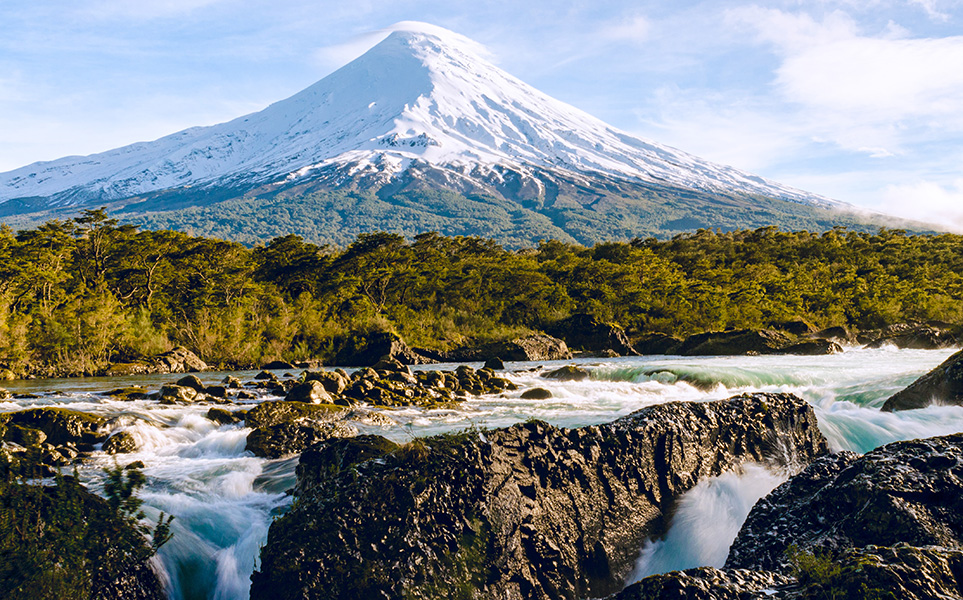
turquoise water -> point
(224, 499)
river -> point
(224, 499)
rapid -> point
(224, 499)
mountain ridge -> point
(421, 109)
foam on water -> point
(706, 521)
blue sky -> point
(861, 101)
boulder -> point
(797, 327)
(495, 364)
(914, 336)
(232, 383)
(586, 332)
(525, 512)
(942, 385)
(568, 373)
(178, 360)
(225, 417)
(657, 343)
(60, 425)
(902, 493)
(734, 343)
(269, 413)
(333, 381)
(192, 382)
(533, 347)
(177, 394)
(266, 376)
(536, 393)
(128, 393)
(365, 350)
(5, 395)
(27, 437)
(838, 334)
(312, 392)
(286, 439)
(391, 365)
(277, 365)
(812, 347)
(121, 442)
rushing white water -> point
(224, 499)
(706, 521)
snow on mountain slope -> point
(421, 94)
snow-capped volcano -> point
(422, 96)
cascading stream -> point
(224, 499)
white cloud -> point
(876, 93)
(927, 201)
(634, 29)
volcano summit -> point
(420, 133)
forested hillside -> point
(75, 295)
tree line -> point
(78, 294)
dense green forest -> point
(77, 294)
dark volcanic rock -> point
(530, 511)
(706, 583)
(178, 360)
(121, 442)
(312, 392)
(277, 365)
(536, 394)
(813, 347)
(915, 336)
(734, 343)
(905, 492)
(585, 332)
(285, 439)
(365, 350)
(60, 425)
(495, 364)
(942, 385)
(567, 373)
(657, 343)
(900, 572)
(73, 528)
(537, 346)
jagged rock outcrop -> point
(586, 332)
(536, 346)
(178, 360)
(915, 336)
(365, 350)
(568, 373)
(529, 511)
(734, 343)
(657, 343)
(75, 547)
(814, 347)
(899, 572)
(707, 583)
(942, 385)
(904, 492)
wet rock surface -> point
(706, 583)
(178, 360)
(367, 349)
(586, 332)
(529, 511)
(915, 336)
(904, 492)
(942, 385)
